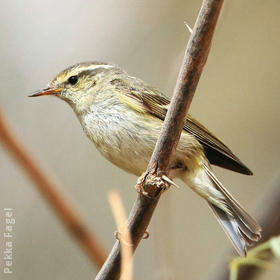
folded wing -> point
(156, 104)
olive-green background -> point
(237, 98)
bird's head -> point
(78, 84)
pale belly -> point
(127, 139)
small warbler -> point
(123, 117)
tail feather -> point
(242, 229)
(247, 233)
(248, 220)
(231, 229)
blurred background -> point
(237, 98)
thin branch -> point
(50, 191)
(152, 182)
(195, 58)
(123, 235)
(269, 218)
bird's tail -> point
(241, 228)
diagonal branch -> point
(50, 191)
(152, 183)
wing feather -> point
(155, 103)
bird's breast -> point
(122, 135)
(127, 137)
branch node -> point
(151, 185)
(146, 235)
(188, 27)
(118, 235)
(168, 180)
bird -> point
(123, 116)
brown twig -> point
(269, 219)
(152, 183)
(49, 190)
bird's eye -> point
(73, 80)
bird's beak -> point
(46, 91)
